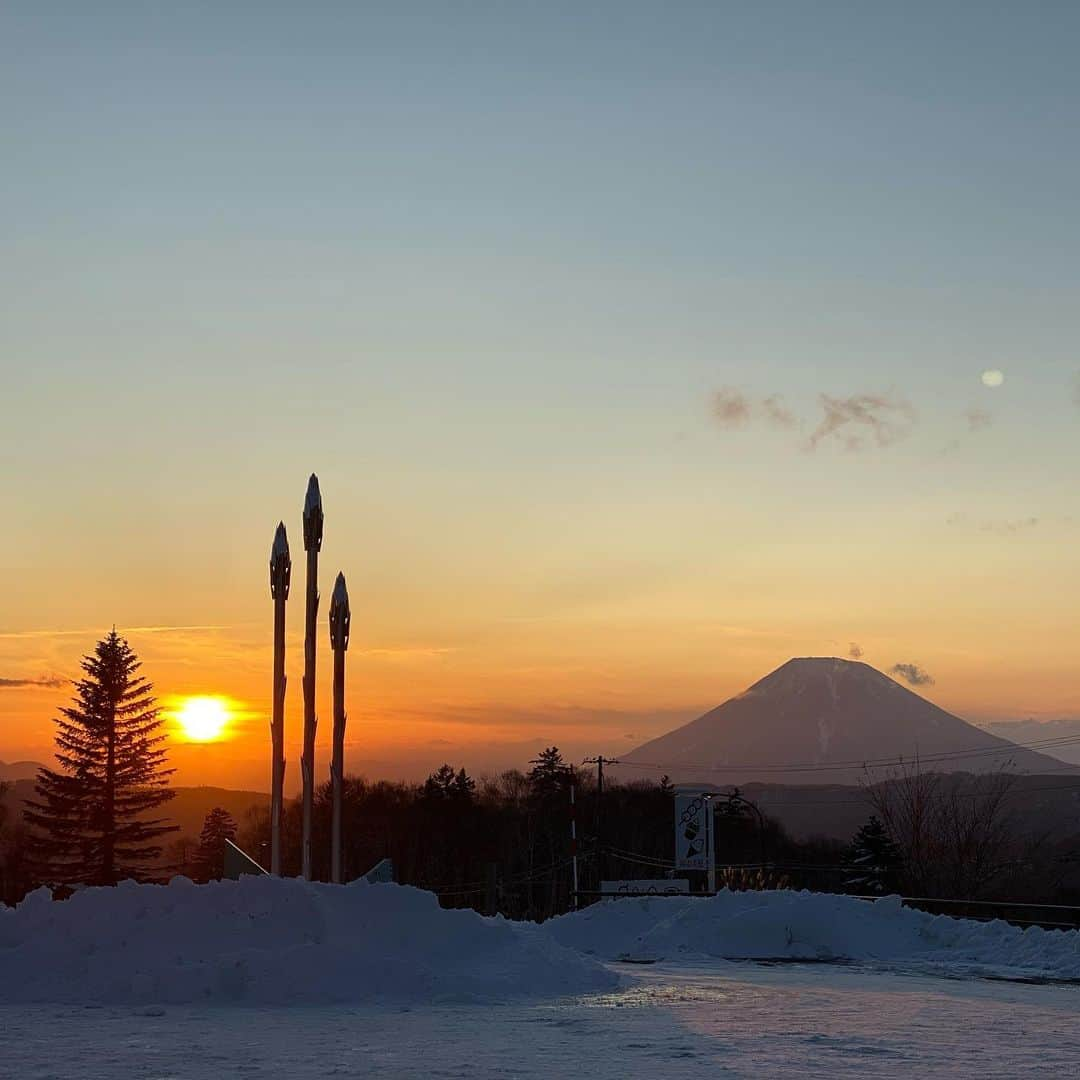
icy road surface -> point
(741, 1020)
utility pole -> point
(711, 849)
(313, 534)
(573, 837)
(340, 617)
(280, 573)
(600, 761)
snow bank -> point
(276, 941)
(804, 925)
(284, 941)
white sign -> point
(691, 832)
(651, 886)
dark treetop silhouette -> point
(89, 820)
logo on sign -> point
(691, 835)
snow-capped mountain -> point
(820, 720)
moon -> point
(993, 378)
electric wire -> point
(863, 763)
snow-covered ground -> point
(280, 978)
(748, 1021)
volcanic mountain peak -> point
(831, 671)
(823, 718)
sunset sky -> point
(636, 350)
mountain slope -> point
(817, 720)
(10, 771)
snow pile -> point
(284, 941)
(276, 941)
(804, 925)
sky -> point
(638, 348)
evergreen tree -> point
(440, 783)
(444, 783)
(875, 859)
(549, 774)
(90, 819)
(218, 826)
(464, 786)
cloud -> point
(852, 420)
(997, 526)
(855, 651)
(408, 652)
(731, 407)
(52, 682)
(98, 631)
(913, 674)
(1010, 526)
(776, 412)
(974, 420)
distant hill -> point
(1043, 806)
(817, 720)
(18, 770)
(1034, 730)
(191, 806)
(187, 809)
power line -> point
(764, 797)
(895, 759)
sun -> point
(203, 719)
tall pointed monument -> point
(280, 574)
(340, 617)
(313, 535)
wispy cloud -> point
(407, 652)
(854, 420)
(912, 674)
(51, 682)
(97, 630)
(1007, 528)
(731, 407)
(776, 412)
(997, 526)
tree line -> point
(500, 843)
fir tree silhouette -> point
(89, 820)
(549, 776)
(875, 858)
(218, 826)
